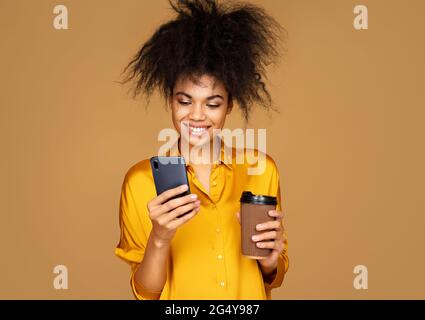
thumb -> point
(238, 215)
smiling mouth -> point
(197, 130)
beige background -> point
(349, 143)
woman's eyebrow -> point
(209, 98)
(185, 94)
(215, 96)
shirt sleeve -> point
(133, 238)
(283, 261)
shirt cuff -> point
(282, 268)
(140, 292)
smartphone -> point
(169, 173)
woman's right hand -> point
(164, 212)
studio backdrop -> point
(348, 141)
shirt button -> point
(222, 283)
(214, 184)
(220, 256)
(214, 206)
(218, 230)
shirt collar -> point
(226, 153)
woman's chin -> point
(196, 140)
(199, 140)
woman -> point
(208, 57)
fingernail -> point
(184, 187)
(259, 227)
(254, 238)
(193, 196)
(197, 202)
(259, 244)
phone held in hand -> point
(169, 173)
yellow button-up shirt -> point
(205, 260)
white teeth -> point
(197, 130)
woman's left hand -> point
(270, 235)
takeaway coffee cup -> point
(254, 210)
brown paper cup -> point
(252, 214)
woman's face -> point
(199, 108)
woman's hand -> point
(270, 236)
(164, 213)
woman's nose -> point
(197, 113)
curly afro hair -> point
(232, 42)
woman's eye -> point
(184, 103)
(213, 105)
